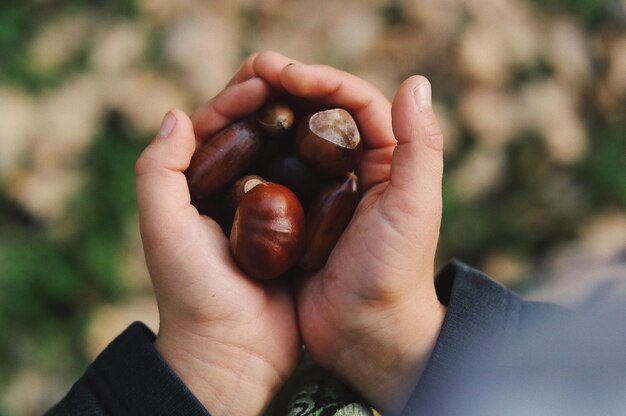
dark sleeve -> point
(129, 378)
(483, 320)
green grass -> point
(604, 172)
(19, 23)
(393, 13)
(522, 215)
(592, 12)
(49, 284)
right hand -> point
(371, 315)
(233, 340)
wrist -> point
(225, 378)
(385, 365)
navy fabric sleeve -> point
(129, 378)
(483, 317)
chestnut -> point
(223, 157)
(329, 141)
(276, 119)
(209, 207)
(237, 191)
(289, 170)
(327, 218)
(213, 207)
(267, 237)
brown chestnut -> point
(223, 157)
(276, 119)
(327, 218)
(267, 237)
(329, 141)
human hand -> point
(371, 315)
(232, 340)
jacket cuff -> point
(131, 377)
(480, 313)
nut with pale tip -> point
(238, 190)
(276, 119)
(329, 142)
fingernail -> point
(423, 94)
(167, 125)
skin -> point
(227, 336)
(371, 315)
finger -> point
(231, 104)
(417, 165)
(245, 72)
(370, 107)
(162, 192)
(367, 104)
(269, 64)
(375, 167)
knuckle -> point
(263, 56)
(431, 133)
(144, 164)
(249, 61)
(434, 141)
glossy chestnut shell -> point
(223, 158)
(276, 119)
(238, 190)
(268, 233)
(329, 142)
(327, 219)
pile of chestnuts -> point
(280, 185)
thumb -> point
(162, 191)
(417, 164)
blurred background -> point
(531, 96)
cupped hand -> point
(371, 315)
(231, 339)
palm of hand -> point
(336, 301)
(366, 315)
(216, 301)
